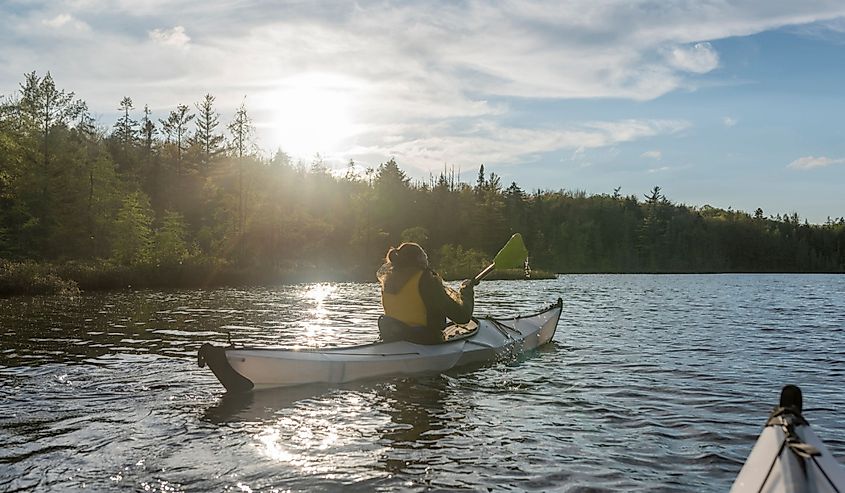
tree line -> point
(189, 190)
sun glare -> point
(311, 114)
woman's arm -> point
(440, 304)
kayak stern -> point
(216, 359)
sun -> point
(311, 114)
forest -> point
(189, 200)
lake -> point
(652, 383)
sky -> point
(723, 103)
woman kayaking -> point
(416, 302)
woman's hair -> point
(407, 255)
(400, 264)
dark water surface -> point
(653, 383)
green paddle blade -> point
(512, 255)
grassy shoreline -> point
(71, 278)
(23, 278)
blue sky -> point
(732, 104)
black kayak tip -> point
(215, 358)
(790, 396)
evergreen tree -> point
(176, 126)
(133, 230)
(126, 127)
(241, 132)
(44, 116)
(148, 131)
(241, 144)
(209, 141)
(169, 244)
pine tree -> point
(44, 108)
(125, 129)
(132, 230)
(207, 121)
(45, 116)
(148, 131)
(176, 126)
(241, 131)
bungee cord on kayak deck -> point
(788, 456)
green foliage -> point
(31, 278)
(207, 138)
(154, 204)
(456, 262)
(417, 234)
(132, 231)
(169, 245)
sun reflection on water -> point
(295, 442)
(319, 328)
(319, 292)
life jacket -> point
(407, 305)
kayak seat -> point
(393, 330)
(453, 332)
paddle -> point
(511, 256)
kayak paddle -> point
(511, 256)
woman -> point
(416, 302)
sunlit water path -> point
(653, 383)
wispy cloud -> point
(58, 21)
(429, 80)
(175, 36)
(813, 162)
(699, 58)
(832, 31)
(65, 20)
(655, 154)
(729, 121)
(492, 143)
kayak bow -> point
(245, 369)
(788, 457)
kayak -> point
(483, 340)
(788, 456)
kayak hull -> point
(789, 457)
(244, 369)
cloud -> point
(633, 129)
(830, 31)
(656, 154)
(433, 77)
(58, 21)
(729, 121)
(491, 143)
(700, 58)
(175, 36)
(65, 20)
(534, 48)
(812, 162)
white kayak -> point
(244, 369)
(788, 457)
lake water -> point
(652, 383)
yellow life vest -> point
(406, 305)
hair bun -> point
(407, 255)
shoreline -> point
(33, 278)
(37, 278)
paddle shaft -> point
(481, 275)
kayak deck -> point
(788, 456)
(243, 369)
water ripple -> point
(653, 383)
